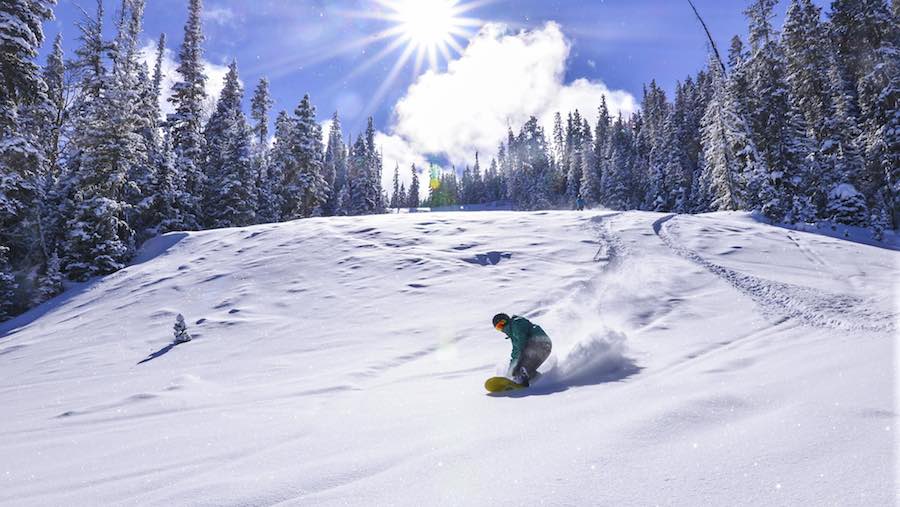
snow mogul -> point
(530, 346)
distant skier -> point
(530, 346)
(579, 204)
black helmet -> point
(499, 317)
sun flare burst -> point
(428, 28)
(426, 24)
(420, 31)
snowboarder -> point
(579, 203)
(530, 346)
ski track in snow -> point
(807, 305)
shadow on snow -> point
(550, 385)
(161, 352)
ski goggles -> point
(500, 325)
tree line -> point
(801, 125)
(90, 168)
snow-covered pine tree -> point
(139, 192)
(144, 216)
(395, 195)
(50, 281)
(724, 145)
(230, 193)
(8, 286)
(508, 156)
(57, 106)
(687, 109)
(22, 90)
(21, 36)
(305, 189)
(847, 206)
(166, 203)
(858, 29)
(806, 60)
(54, 121)
(531, 182)
(561, 169)
(260, 107)
(376, 167)
(736, 53)
(238, 193)
(98, 239)
(412, 200)
(700, 196)
(477, 196)
(361, 193)
(879, 101)
(132, 91)
(676, 176)
(180, 328)
(840, 158)
(738, 82)
(109, 146)
(164, 210)
(589, 171)
(866, 39)
(402, 197)
(271, 191)
(158, 70)
(342, 209)
(617, 181)
(584, 155)
(188, 96)
(773, 122)
(335, 168)
(580, 132)
(651, 156)
(493, 184)
(593, 192)
(558, 141)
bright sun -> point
(427, 28)
(426, 22)
(419, 30)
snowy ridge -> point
(341, 361)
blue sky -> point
(308, 46)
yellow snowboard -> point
(500, 384)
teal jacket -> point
(521, 332)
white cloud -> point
(500, 80)
(585, 95)
(215, 78)
(220, 15)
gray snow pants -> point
(534, 355)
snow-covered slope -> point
(698, 360)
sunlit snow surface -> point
(698, 360)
